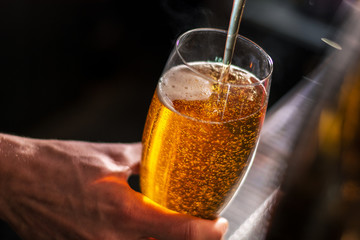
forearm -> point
(4, 171)
(14, 168)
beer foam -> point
(181, 83)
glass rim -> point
(267, 57)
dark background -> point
(86, 70)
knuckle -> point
(191, 231)
(194, 231)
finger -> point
(132, 153)
(162, 224)
(191, 229)
(128, 154)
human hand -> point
(51, 189)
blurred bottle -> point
(320, 193)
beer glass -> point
(203, 124)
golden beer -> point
(199, 137)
